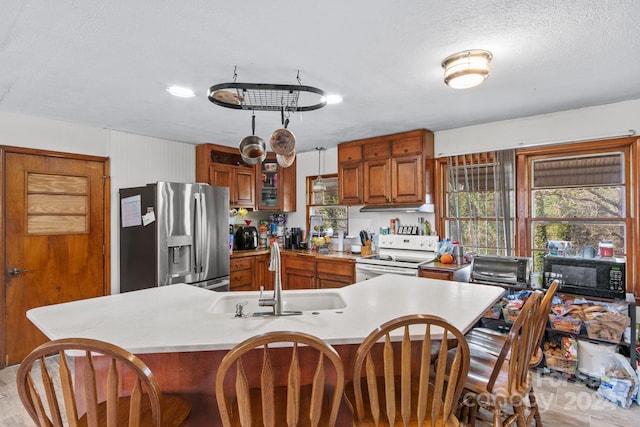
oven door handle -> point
(386, 269)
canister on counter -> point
(606, 248)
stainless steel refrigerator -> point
(174, 233)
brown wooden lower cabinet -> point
(452, 272)
(309, 272)
(249, 272)
(263, 277)
(241, 274)
(335, 273)
(298, 271)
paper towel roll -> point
(340, 241)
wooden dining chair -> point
(498, 382)
(493, 341)
(397, 381)
(280, 379)
(51, 398)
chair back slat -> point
(117, 361)
(317, 391)
(389, 383)
(47, 385)
(425, 370)
(244, 398)
(113, 389)
(267, 390)
(420, 396)
(66, 382)
(541, 320)
(293, 389)
(91, 392)
(135, 406)
(372, 387)
(270, 384)
(405, 376)
(456, 371)
(38, 407)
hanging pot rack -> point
(264, 97)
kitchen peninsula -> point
(181, 332)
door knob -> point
(14, 271)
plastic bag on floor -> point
(619, 384)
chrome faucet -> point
(276, 300)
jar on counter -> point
(605, 247)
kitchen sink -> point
(291, 301)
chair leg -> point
(518, 409)
(473, 413)
(497, 415)
(535, 410)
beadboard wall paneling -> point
(139, 160)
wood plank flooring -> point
(562, 404)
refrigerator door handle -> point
(197, 234)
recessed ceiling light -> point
(333, 99)
(181, 92)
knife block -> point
(366, 248)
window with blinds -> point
(480, 201)
(578, 201)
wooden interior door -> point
(55, 238)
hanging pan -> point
(286, 160)
(283, 141)
(253, 148)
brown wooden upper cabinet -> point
(275, 186)
(266, 186)
(391, 169)
(223, 166)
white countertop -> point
(176, 318)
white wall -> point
(136, 161)
(583, 124)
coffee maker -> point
(296, 237)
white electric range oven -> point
(398, 253)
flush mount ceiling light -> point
(467, 69)
(318, 184)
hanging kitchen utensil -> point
(253, 148)
(283, 141)
(286, 160)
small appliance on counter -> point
(246, 238)
(507, 271)
(595, 277)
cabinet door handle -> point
(406, 150)
(349, 158)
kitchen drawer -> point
(300, 263)
(349, 153)
(335, 268)
(406, 146)
(241, 264)
(242, 278)
(376, 150)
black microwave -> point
(594, 277)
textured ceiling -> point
(107, 63)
